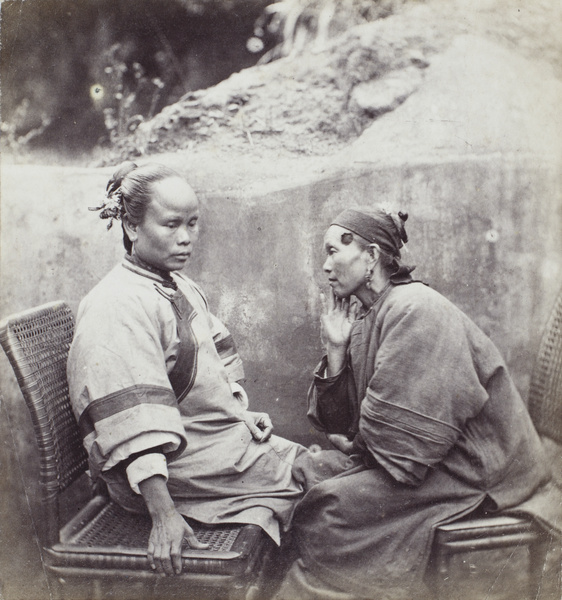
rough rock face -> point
(311, 105)
(384, 94)
(317, 103)
(476, 99)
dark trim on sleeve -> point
(117, 402)
(226, 345)
(123, 464)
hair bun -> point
(398, 221)
(116, 179)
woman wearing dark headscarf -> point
(421, 401)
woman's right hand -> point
(337, 317)
(169, 529)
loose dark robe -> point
(438, 428)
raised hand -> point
(337, 316)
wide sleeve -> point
(118, 381)
(424, 388)
(331, 401)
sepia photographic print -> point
(281, 300)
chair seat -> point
(105, 536)
(487, 533)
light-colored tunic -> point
(150, 366)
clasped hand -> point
(260, 425)
(341, 442)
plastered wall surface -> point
(485, 232)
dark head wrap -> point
(384, 229)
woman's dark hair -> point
(129, 192)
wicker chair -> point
(103, 545)
(503, 531)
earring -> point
(368, 277)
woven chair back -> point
(37, 343)
(545, 392)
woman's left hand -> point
(260, 425)
(341, 442)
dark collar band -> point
(163, 277)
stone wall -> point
(483, 231)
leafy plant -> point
(124, 93)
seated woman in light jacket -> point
(155, 383)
